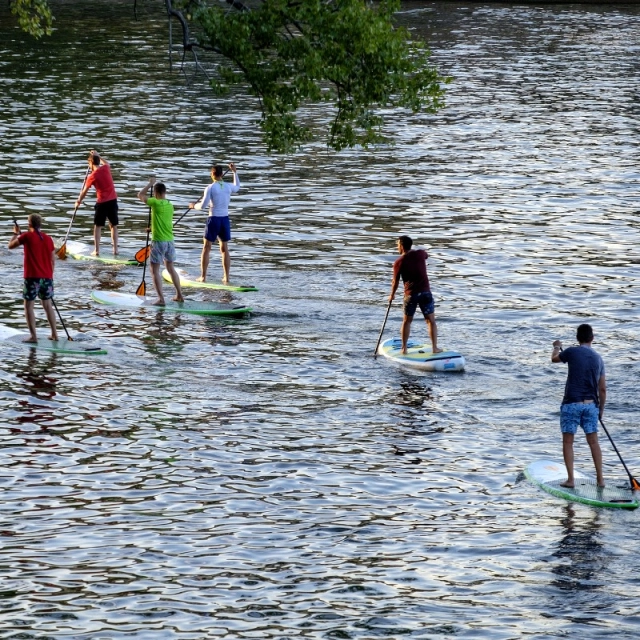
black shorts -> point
(106, 211)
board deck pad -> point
(82, 251)
(187, 281)
(63, 345)
(188, 306)
(420, 356)
(548, 475)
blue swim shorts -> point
(218, 227)
(424, 300)
(37, 288)
(577, 413)
(162, 250)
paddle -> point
(142, 289)
(62, 251)
(61, 320)
(635, 485)
(375, 353)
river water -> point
(266, 477)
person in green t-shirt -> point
(162, 246)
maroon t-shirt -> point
(38, 248)
(412, 267)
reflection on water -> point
(266, 476)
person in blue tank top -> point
(584, 398)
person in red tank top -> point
(39, 261)
(412, 267)
(106, 206)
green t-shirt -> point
(161, 219)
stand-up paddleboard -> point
(188, 306)
(82, 251)
(187, 281)
(548, 475)
(420, 356)
(13, 336)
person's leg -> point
(567, 454)
(596, 454)
(226, 260)
(49, 309)
(432, 327)
(204, 261)
(97, 232)
(569, 419)
(114, 238)
(175, 278)
(589, 421)
(157, 283)
(405, 331)
(30, 316)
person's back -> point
(412, 267)
(161, 219)
(37, 254)
(585, 368)
(100, 178)
(217, 197)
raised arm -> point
(557, 348)
(142, 194)
(14, 242)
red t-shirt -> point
(103, 182)
(37, 254)
(412, 267)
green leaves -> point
(290, 53)
(34, 16)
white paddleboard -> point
(63, 345)
(188, 306)
(187, 281)
(548, 475)
(420, 356)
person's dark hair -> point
(584, 333)
(406, 242)
(217, 171)
(94, 159)
(35, 221)
(159, 189)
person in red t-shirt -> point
(412, 267)
(106, 206)
(39, 261)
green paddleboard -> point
(548, 475)
(63, 345)
(82, 251)
(188, 306)
(187, 281)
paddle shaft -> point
(61, 320)
(635, 485)
(142, 289)
(73, 217)
(375, 352)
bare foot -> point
(403, 351)
(201, 279)
(437, 350)
(158, 303)
(31, 340)
(567, 484)
(601, 484)
(95, 253)
(178, 299)
(54, 338)
(225, 280)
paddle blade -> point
(142, 255)
(635, 485)
(142, 289)
(62, 251)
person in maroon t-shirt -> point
(412, 267)
(106, 206)
(39, 261)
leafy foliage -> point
(345, 52)
(34, 16)
(292, 53)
